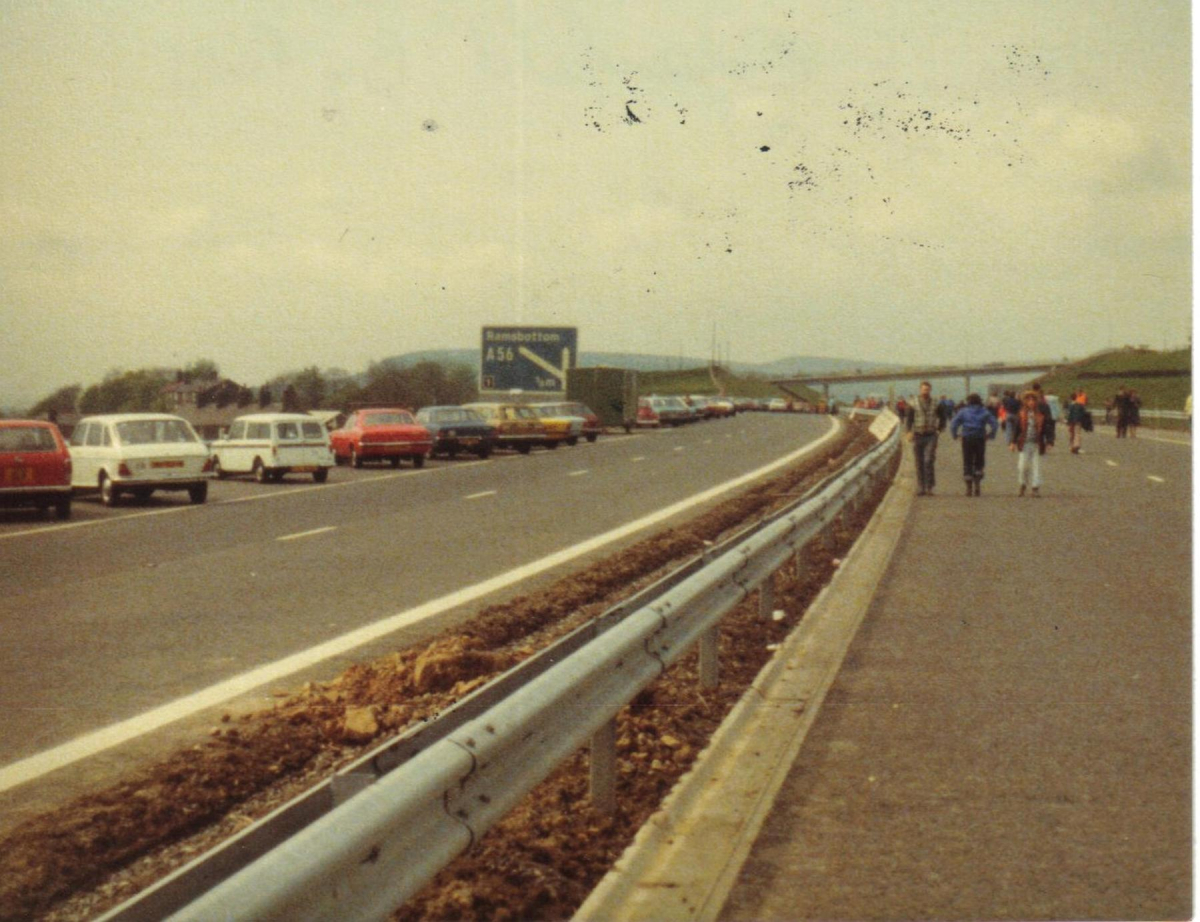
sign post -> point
(532, 359)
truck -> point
(611, 393)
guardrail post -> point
(709, 676)
(602, 765)
(766, 598)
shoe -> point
(920, 492)
(970, 488)
(1021, 492)
(1036, 494)
(978, 488)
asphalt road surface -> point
(120, 611)
(1010, 735)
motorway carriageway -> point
(124, 620)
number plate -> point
(306, 469)
(18, 476)
(161, 464)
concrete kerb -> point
(684, 861)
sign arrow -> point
(560, 373)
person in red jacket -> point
(1032, 433)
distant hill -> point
(1162, 379)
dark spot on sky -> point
(429, 125)
(765, 148)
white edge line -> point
(306, 534)
(578, 473)
(481, 495)
(1155, 479)
(639, 458)
(89, 744)
(1111, 463)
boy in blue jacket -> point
(977, 425)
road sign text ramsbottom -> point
(527, 358)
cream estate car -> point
(138, 453)
(269, 445)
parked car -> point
(517, 426)
(561, 425)
(271, 445)
(662, 411)
(35, 466)
(455, 429)
(723, 406)
(138, 453)
(592, 426)
(381, 434)
(777, 405)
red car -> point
(592, 426)
(35, 466)
(379, 434)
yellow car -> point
(561, 424)
(517, 426)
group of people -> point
(1028, 423)
(1127, 405)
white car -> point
(269, 445)
(777, 405)
(138, 453)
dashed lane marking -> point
(1111, 463)
(577, 473)
(89, 744)
(679, 448)
(1155, 479)
(481, 495)
(308, 534)
(638, 458)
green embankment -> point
(698, 381)
(1163, 380)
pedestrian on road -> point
(1032, 425)
(1076, 412)
(1122, 408)
(1012, 406)
(923, 425)
(1187, 411)
(1135, 413)
(977, 425)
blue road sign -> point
(527, 358)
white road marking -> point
(577, 473)
(273, 494)
(89, 744)
(708, 441)
(1155, 479)
(1111, 463)
(306, 534)
(679, 448)
(481, 495)
(1156, 438)
(638, 458)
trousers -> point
(1029, 465)
(973, 448)
(925, 452)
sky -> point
(274, 185)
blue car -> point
(456, 429)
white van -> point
(138, 453)
(269, 445)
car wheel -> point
(484, 452)
(572, 441)
(552, 445)
(355, 459)
(142, 494)
(218, 471)
(524, 449)
(62, 508)
(591, 436)
(418, 460)
(277, 476)
(396, 461)
(321, 475)
(260, 472)
(452, 453)
(198, 493)
(109, 494)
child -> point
(977, 425)
(1032, 428)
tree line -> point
(146, 389)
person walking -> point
(977, 425)
(1030, 443)
(1121, 407)
(1135, 413)
(1076, 412)
(1012, 406)
(923, 424)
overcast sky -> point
(273, 185)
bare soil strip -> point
(80, 859)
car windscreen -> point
(26, 438)
(154, 431)
(395, 418)
(524, 413)
(313, 430)
(453, 415)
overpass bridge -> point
(922, 372)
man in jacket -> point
(977, 425)
(1030, 443)
(923, 424)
